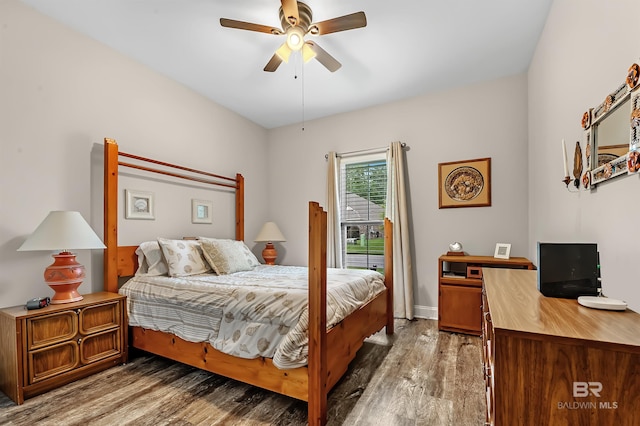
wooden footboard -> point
(344, 340)
(258, 372)
(330, 352)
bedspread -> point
(249, 314)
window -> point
(363, 200)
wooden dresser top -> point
(517, 306)
(488, 260)
(91, 298)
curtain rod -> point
(363, 151)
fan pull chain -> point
(295, 77)
(302, 85)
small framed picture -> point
(201, 211)
(502, 251)
(139, 205)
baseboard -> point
(425, 312)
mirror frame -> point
(628, 163)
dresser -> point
(550, 361)
(460, 286)
(46, 348)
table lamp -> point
(63, 230)
(269, 233)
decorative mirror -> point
(612, 133)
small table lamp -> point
(269, 233)
(63, 230)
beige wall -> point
(483, 120)
(65, 93)
(60, 94)
(583, 55)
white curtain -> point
(334, 235)
(397, 213)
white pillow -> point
(227, 256)
(151, 260)
(184, 257)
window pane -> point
(364, 191)
(363, 203)
(366, 250)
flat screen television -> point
(568, 270)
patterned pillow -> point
(184, 257)
(150, 259)
(227, 256)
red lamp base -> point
(269, 254)
(64, 276)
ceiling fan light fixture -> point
(295, 38)
(284, 52)
(307, 53)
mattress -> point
(249, 314)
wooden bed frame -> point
(330, 351)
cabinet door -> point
(460, 308)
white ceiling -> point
(408, 48)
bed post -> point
(239, 207)
(388, 271)
(111, 215)
(317, 364)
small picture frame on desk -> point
(502, 251)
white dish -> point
(596, 302)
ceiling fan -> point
(296, 19)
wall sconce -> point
(577, 166)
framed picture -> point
(464, 183)
(139, 205)
(502, 251)
(201, 211)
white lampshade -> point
(62, 230)
(269, 233)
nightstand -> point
(43, 349)
(460, 289)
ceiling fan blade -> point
(273, 63)
(240, 25)
(324, 58)
(290, 9)
(343, 23)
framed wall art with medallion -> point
(464, 183)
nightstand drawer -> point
(51, 361)
(46, 330)
(99, 317)
(100, 346)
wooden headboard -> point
(121, 260)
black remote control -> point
(38, 303)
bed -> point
(328, 349)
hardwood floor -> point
(422, 377)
